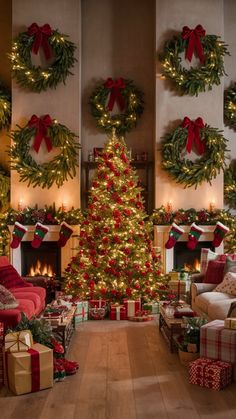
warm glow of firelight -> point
(194, 267)
(41, 269)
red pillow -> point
(10, 278)
(215, 272)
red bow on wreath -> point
(41, 125)
(194, 128)
(41, 35)
(115, 86)
(193, 36)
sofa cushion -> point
(10, 278)
(206, 298)
(220, 310)
(230, 265)
(7, 299)
(225, 255)
(215, 272)
(228, 285)
(38, 290)
(28, 295)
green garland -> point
(5, 107)
(58, 169)
(4, 188)
(230, 106)
(35, 78)
(204, 168)
(196, 79)
(230, 184)
(122, 122)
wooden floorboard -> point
(126, 372)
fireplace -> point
(189, 260)
(61, 258)
(43, 261)
(161, 235)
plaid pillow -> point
(7, 299)
(10, 278)
(206, 255)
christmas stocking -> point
(220, 231)
(64, 235)
(17, 234)
(39, 234)
(193, 236)
(174, 235)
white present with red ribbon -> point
(132, 306)
(81, 313)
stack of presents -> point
(216, 367)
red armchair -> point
(31, 299)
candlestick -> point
(64, 206)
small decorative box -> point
(132, 306)
(18, 341)
(81, 313)
(153, 307)
(210, 373)
(117, 312)
(230, 323)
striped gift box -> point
(216, 342)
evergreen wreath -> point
(211, 54)
(204, 168)
(5, 107)
(128, 97)
(4, 188)
(230, 184)
(54, 45)
(230, 106)
(59, 168)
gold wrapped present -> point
(174, 276)
(30, 371)
(230, 323)
(178, 286)
(18, 341)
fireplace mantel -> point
(67, 252)
(161, 234)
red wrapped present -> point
(1, 353)
(132, 306)
(219, 343)
(141, 316)
(210, 373)
(117, 312)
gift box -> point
(81, 312)
(30, 371)
(132, 306)
(152, 307)
(217, 342)
(117, 312)
(174, 275)
(210, 373)
(98, 303)
(230, 323)
(141, 316)
(179, 287)
(18, 341)
(1, 354)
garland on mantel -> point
(161, 216)
(48, 215)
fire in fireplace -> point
(43, 261)
(189, 260)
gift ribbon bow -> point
(194, 41)
(194, 128)
(41, 125)
(115, 96)
(41, 35)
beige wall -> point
(62, 104)
(118, 40)
(170, 107)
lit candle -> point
(20, 205)
(169, 206)
(212, 205)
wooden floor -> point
(126, 372)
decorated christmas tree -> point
(115, 257)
